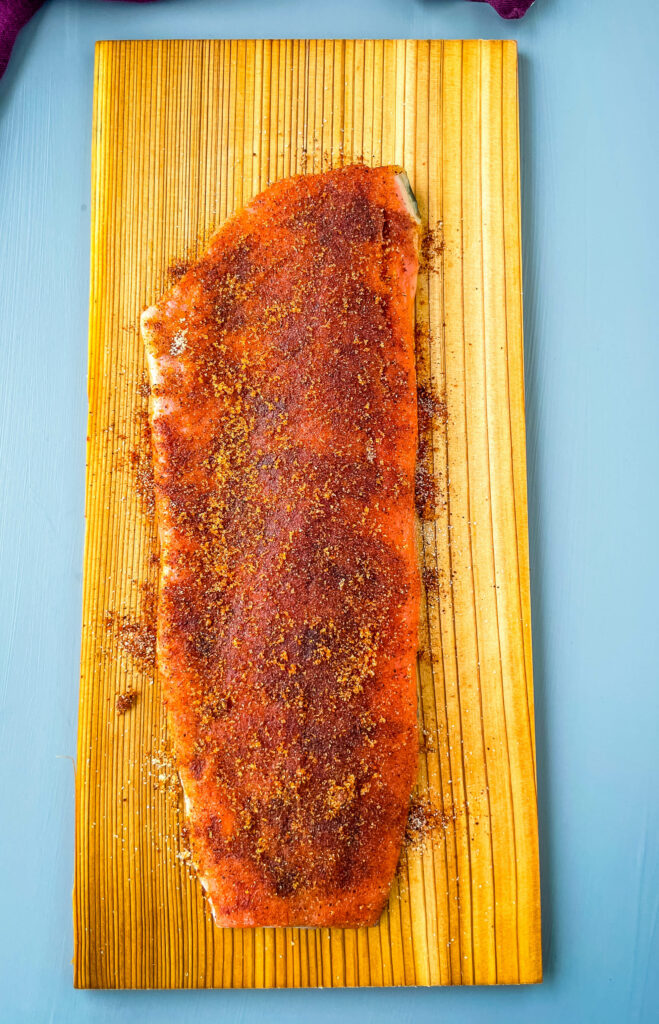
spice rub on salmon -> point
(283, 412)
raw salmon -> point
(283, 412)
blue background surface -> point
(589, 103)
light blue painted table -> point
(589, 100)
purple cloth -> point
(509, 8)
(15, 13)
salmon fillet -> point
(283, 414)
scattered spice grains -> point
(139, 457)
(426, 742)
(125, 701)
(149, 600)
(425, 489)
(144, 388)
(430, 577)
(136, 637)
(161, 770)
(432, 249)
(160, 773)
(422, 343)
(424, 821)
(185, 852)
(424, 654)
(430, 409)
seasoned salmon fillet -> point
(284, 429)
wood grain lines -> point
(184, 134)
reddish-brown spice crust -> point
(284, 433)
(177, 269)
